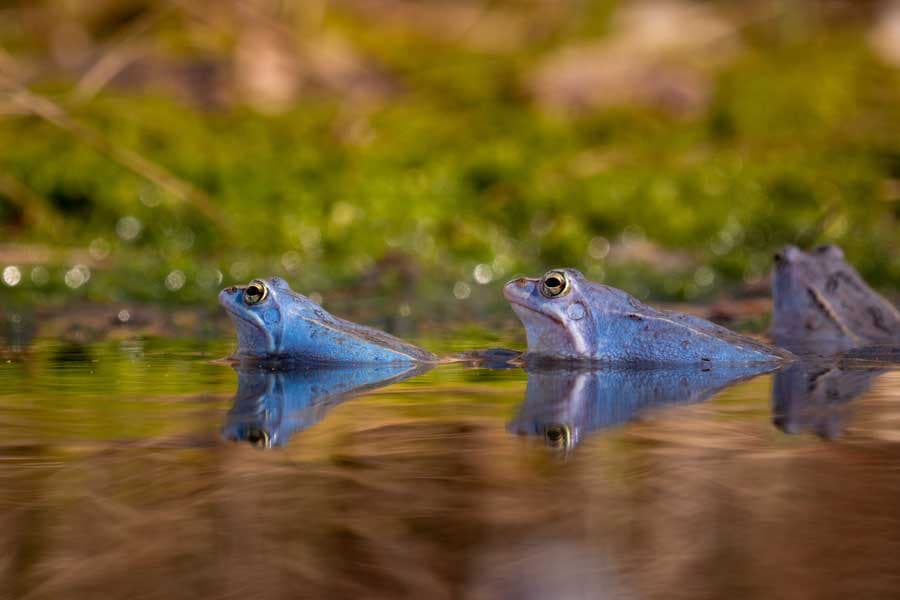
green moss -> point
(460, 168)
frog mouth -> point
(236, 314)
(515, 294)
(547, 334)
(252, 334)
(239, 315)
(253, 337)
(516, 306)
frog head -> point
(796, 272)
(819, 297)
(275, 323)
(561, 310)
(258, 311)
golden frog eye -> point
(555, 284)
(558, 435)
(259, 438)
(255, 292)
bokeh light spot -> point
(12, 275)
(704, 276)
(99, 249)
(40, 275)
(598, 248)
(208, 277)
(128, 228)
(77, 276)
(483, 274)
(175, 280)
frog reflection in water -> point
(563, 405)
(275, 323)
(822, 304)
(271, 406)
(568, 317)
(815, 396)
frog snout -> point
(516, 285)
(520, 282)
(227, 295)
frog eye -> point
(558, 435)
(555, 284)
(255, 292)
(259, 438)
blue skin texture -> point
(272, 406)
(564, 405)
(587, 321)
(274, 322)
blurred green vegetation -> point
(453, 162)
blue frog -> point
(275, 323)
(568, 317)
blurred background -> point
(399, 160)
(415, 154)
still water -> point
(148, 469)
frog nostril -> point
(231, 290)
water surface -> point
(120, 477)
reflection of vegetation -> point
(115, 390)
(459, 168)
(143, 388)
